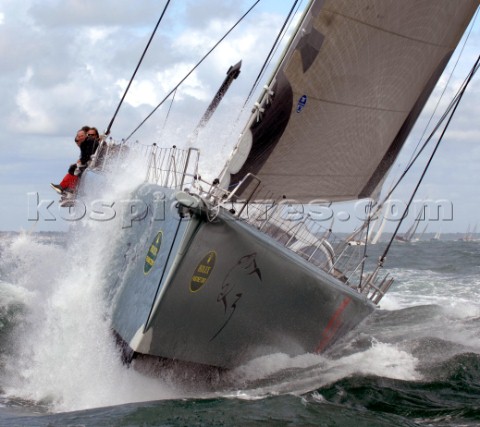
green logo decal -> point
(203, 271)
(152, 253)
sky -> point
(66, 63)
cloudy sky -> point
(65, 63)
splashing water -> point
(58, 350)
(63, 352)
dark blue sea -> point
(415, 362)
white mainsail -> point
(345, 96)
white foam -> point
(308, 372)
(12, 295)
(64, 352)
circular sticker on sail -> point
(203, 271)
(152, 253)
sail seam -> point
(384, 30)
(354, 105)
(313, 175)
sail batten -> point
(346, 94)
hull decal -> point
(333, 324)
(245, 266)
(203, 271)
(152, 253)
(163, 274)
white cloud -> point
(98, 34)
(141, 92)
(31, 118)
(152, 90)
(192, 86)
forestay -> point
(345, 96)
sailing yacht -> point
(409, 236)
(224, 275)
(437, 235)
(470, 234)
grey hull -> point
(218, 292)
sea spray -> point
(392, 372)
(280, 373)
(64, 353)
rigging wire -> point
(169, 108)
(367, 232)
(107, 132)
(276, 44)
(453, 102)
(193, 69)
(472, 24)
(414, 156)
(451, 111)
(268, 60)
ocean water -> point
(415, 362)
